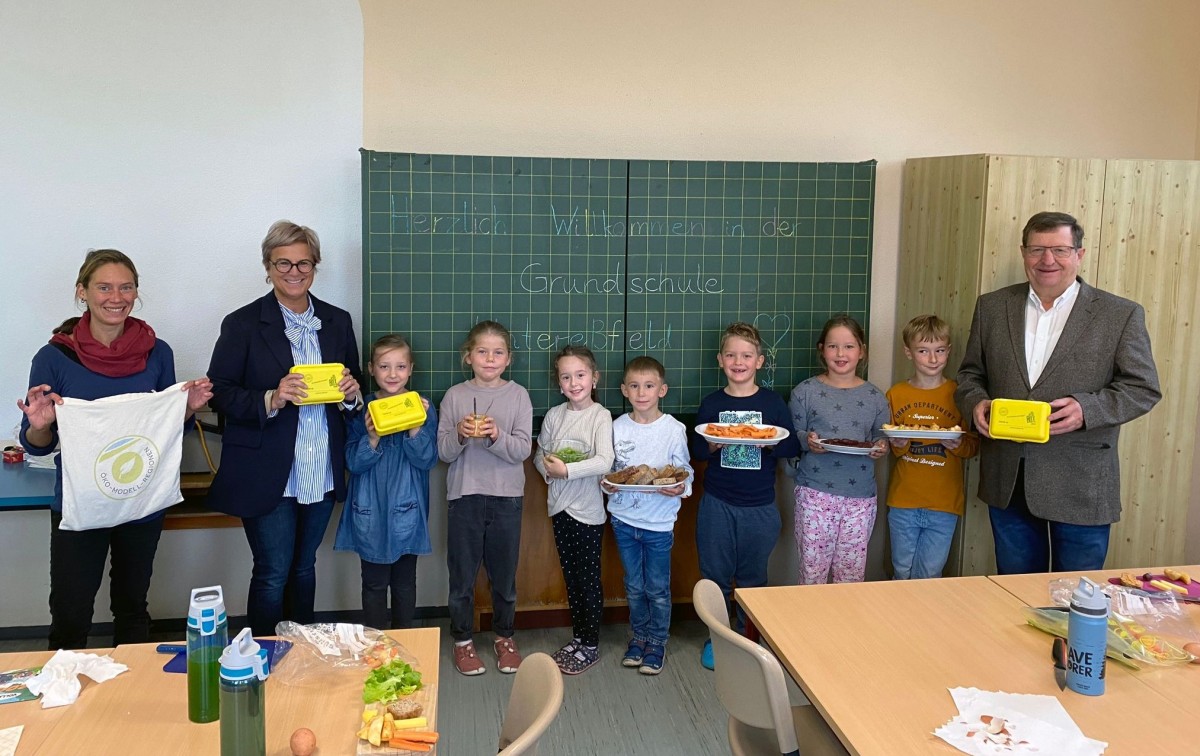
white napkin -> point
(9, 738)
(58, 682)
(43, 462)
(1031, 724)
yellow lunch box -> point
(322, 381)
(397, 413)
(1020, 420)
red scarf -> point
(125, 356)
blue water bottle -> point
(1087, 639)
(207, 636)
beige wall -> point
(789, 80)
(802, 80)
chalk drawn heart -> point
(778, 326)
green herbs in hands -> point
(569, 455)
(389, 682)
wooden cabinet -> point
(961, 228)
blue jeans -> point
(1027, 543)
(283, 581)
(733, 544)
(921, 541)
(483, 530)
(646, 557)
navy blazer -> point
(251, 356)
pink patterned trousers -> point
(832, 533)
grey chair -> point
(536, 697)
(751, 687)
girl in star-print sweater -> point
(835, 490)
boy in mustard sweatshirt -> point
(927, 492)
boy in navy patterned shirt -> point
(738, 522)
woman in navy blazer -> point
(282, 464)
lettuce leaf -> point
(389, 682)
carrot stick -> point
(410, 745)
(420, 736)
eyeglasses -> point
(1060, 253)
(283, 266)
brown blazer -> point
(1102, 359)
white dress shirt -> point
(1044, 327)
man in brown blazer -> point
(1087, 353)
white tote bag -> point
(120, 456)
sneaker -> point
(508, 658)
(577, 661)
(466, 661)
(633, 654)
(653, 659)
(706, 655)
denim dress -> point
(386, 514)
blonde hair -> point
(925, 328)
(484, 328)
(744, 331)
(388, 343)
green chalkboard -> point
(628, 257)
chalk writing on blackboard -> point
(537, 278)
(603, 335)
(466, 219)
(628, 257)
(587, 222)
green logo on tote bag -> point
(126, 466)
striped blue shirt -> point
(311, 476)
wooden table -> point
(1033, 589)
(38, 722)
(1180, 683)
(144, 710)
(876, 659)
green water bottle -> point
(207, 636)
(244, 670)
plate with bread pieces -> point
(647, 478)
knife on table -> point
(1058, 652)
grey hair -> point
(283, 233)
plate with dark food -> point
(846, 446)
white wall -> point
(176, 132)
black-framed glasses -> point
(1060, 253)
(284, 266)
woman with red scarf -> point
(104, 353)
